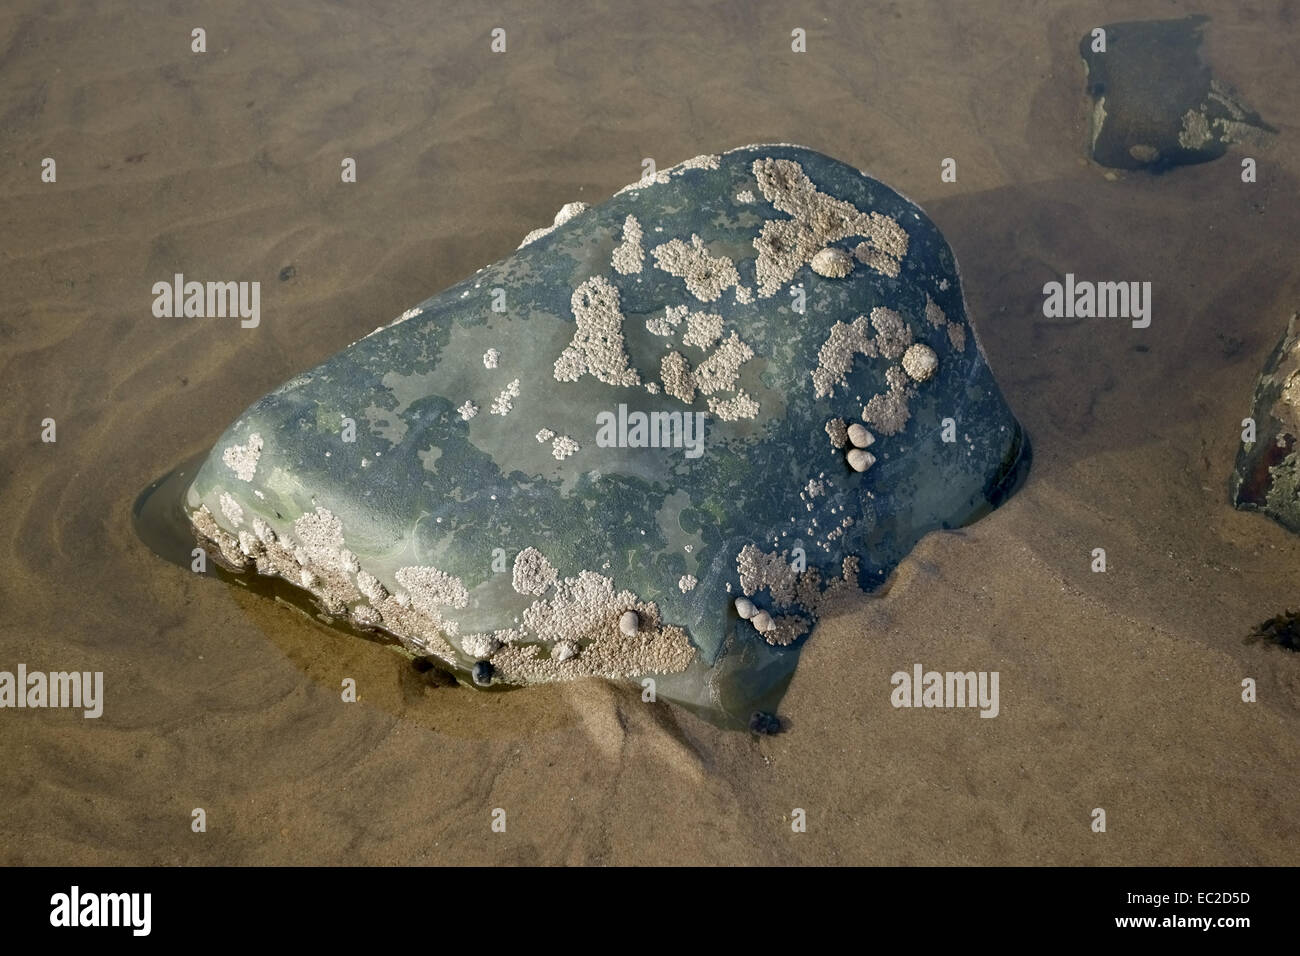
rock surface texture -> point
(576, 461)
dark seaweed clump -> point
(1283, 630)
(765, 723)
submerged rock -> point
(1267, 476)
(1155, 102)
(665, 430)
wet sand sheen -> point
(1119, 690)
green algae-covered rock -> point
(1156, 103)
(655, 442)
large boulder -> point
(750, 376)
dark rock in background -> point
(1267, 476)
(1156, 103)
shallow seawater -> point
(1121, 689)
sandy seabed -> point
(1119, 690)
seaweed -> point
(1282, 630)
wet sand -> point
(1118, 690)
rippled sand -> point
(1118, 690)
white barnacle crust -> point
(371, 587)
(431, 588)
(957, 336)
(783, 630)
(544, 435)
(933, 314)
(504, 402)
(249, 544)
(739, 406)
(231, 509)
(490, 358)
(872, 257)
(666, 325)
(675, 372)
(687, 583)
(597, 345)
(242, 459)
(628, 255)
(702, 329)
(581, 622)
(367, 615)
(706, 275)
(888, 411)
(893, 335)
(759, 569)
(720, 370)
(562, 446)
(408, 314)
(703, 161)
(467, 411)
(936, 317)
(480, 646)
(817, 219)
(920, 362)
(533, 574)
(835, 358)
(836, 431)
(587, 612)
(312, 555)
(832, 262)
(567, 212)
(1195, 132)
